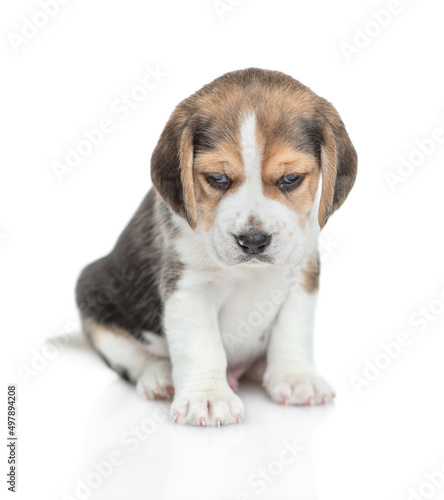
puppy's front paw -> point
(218, 407)
(298, 388)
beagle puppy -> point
(216, 275)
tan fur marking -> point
(311, 275)
(226, 159)
(96, 330)
(282, 160)
(186, 159)
(338, 162)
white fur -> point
(202, 393)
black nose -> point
(253, 243)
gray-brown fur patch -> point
(311, 275)
(127, 288)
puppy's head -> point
(242, 161)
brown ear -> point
(339, 163)
(172, 166)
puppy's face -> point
(255, 195)
(251, 148)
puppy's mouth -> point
(255, 259)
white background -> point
(382, 256)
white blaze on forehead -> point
(251, 155)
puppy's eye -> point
(219, 181)
(290, 181)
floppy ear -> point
(339, 163)
(172, 166)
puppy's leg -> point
(132, 360)
(202, 394)
(290, 376)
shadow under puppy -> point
(216, 275)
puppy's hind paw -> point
(156, 381)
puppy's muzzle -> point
(253, 243)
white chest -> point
(253, 298)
